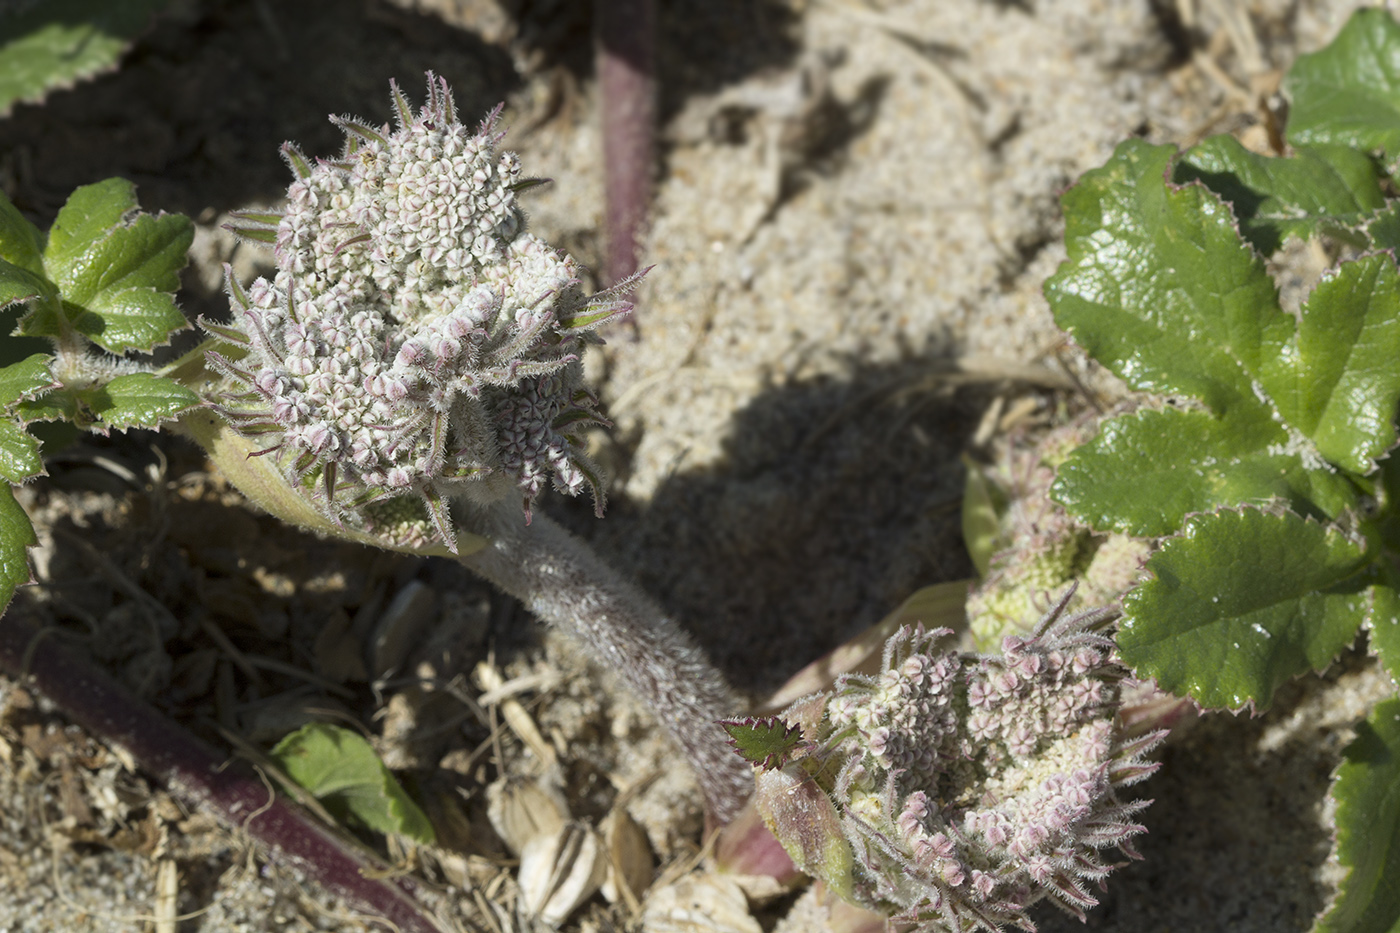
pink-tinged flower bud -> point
(317, 437)
(1005, 685)
(979, 694)
(445, 348)
(1029, 665)
(1022, 741)
(1035, 813)
(270, 382)
(287, 411)
(410, 354)
(952, 873)
(379, 346)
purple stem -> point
(627, 86)
(204, 778)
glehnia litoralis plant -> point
(411, 376)
(416, 343)
(954, 791)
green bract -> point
(1262, 458)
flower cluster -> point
(415, 342)
(966, 787)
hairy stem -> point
(204, 778)
(563, 582)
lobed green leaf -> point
(19, 284)
(1349, 92)
(1161, 289)
(19, 454)
(137, 400)
(115, 268)
(1383, 229)
(1158, 286)
(53, 43)
(766, 742)
(21, 243)
(1384, 625)
(1145, 472)
(25, 380)
(1336, 379)
(1242, 601)
(16, 537)
(88, 214)
(1367, 792)
(1330, 189)
(61, 404)
(341, 770)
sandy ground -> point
(856, 204)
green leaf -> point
(19, 284)
(1158, 286)
(25, 379)
(1383, 230)
(21, 243)
(1145, 472)
(1367, 792)
(115, 268)
(1337, 380)
(19, 454)
(1349, 92)
(766, 742)
(137, 400)
(1384, 624)
(61, 404)
(16, 537)
(1242, 601)
(341, 770)
(1321, 188)
(53, 43)
(88, 214)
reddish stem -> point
(627, 86)
(204, 778)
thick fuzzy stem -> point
(564, 583)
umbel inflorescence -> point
(415, 342)
(961, 789)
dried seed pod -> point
(629, 861)
(699, 904)
(520, 809)
(560, 871)
(401, 627)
